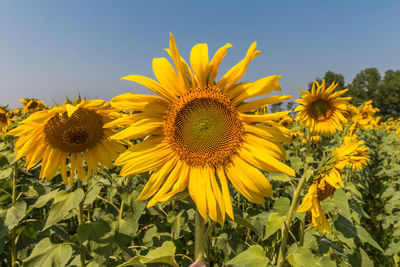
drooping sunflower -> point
(200, 132)
(318, 191)
(322, 110)
(31, 105)
(4, 120)
(73, 132)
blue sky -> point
(52, 49)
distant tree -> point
(330, 77)
(388, 97)
(365, 86)
(276, 107)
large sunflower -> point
(200, 132)
(322, 110)
(68, 130)
(4, 120)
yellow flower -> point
(32, 105)
(322, 110)
(4, 120)
(68, 130)
(262, 110)
(286, 121)
(365, 117)
(318, 191)
(358, 157)
(201, 132)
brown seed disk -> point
(203, 127)
(320, 109)
(326, 192)
(81, 131)
(3, 118)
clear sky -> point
(52, 49)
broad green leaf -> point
(6, 173)
(326, 262)
(364, 236)
(93, 231)
(63, 203)
(246, 223)
(252, 257)
(15, 214)
(365, 260)
(274, 223)
(46, 254)
(345, 227)
(163, 254)
(93, 193)
(43, 199)
(278, 177)
(282, 205)
(342, 202)
(302, 257)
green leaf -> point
(345, 227)
(326, 262)
(164, 254)
(5, 173)
(364, 236)
(63, 203)
(252, 257)
(46, 254)
(93, 231)
(274, 223)
(244, 222)
(278, 177)
(128, 225)
(92, 194)
(342, 202)
(282, 205)
(43, 199)
(15, 214)
(302, 257)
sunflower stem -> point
(285, 228)
(80, 221)
(199, 238)
(13, 199)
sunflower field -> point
(200, 173)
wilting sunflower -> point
(321, 109)
(318, 191)
(31, 105)
(68, 131)
(200, 132)
(4, 120)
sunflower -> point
(4, 120)
(359, 156)
(68, 130)
(366, 113)
(322, 110)
(318, 191)
(32, 105)
(286, 121)
(201, 132)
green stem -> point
(80, 221)
(121, 210)
(288, 222)
(199, 244)
(13, 199)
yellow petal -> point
(156, 179)
(152, 85)
(136, 102)
(199, 62)
(250, 106)
(216, 61)
(167, 77)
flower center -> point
(77, 133)
(326, 192)
(33, 104)
(3, 118)
(320, 110)
(364, 114)
(203, 127)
